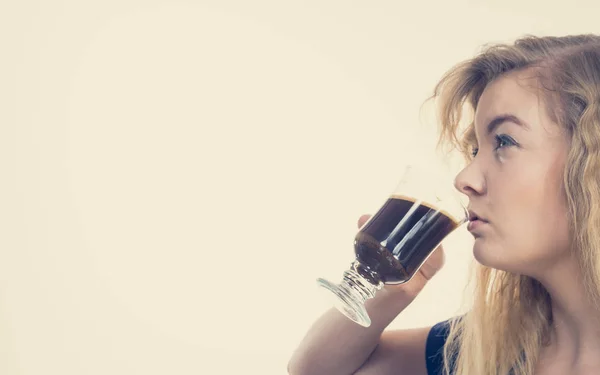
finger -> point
(438, 257)
(434, 263)
(363, 219)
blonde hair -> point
(509, 321)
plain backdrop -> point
(174, 175)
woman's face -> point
(514, 182)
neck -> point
(575, 331)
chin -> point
(489, 256)
(501, 259)
(480, 253)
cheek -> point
(536, 245)
(553, 225)
(535, 225)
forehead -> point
(518, 94)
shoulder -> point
(434, 347)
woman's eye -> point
(503, 141)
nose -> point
(470, 181)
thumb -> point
(363, 219)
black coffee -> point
(397, 240)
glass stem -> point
(359, 287)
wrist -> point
(391, 298)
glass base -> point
(347, 303)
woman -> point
(532, 144)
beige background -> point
(175, 175)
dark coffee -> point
(397, 240)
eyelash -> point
(508, 141)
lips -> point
(475, 221)
(473, 216)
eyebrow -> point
(506, 117)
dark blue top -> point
(434, 348)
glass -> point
(394, 243)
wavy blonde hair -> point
(509, 321)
